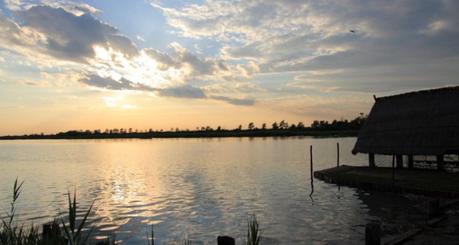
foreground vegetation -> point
(73, 230)
(342, 127)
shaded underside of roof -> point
(417, 123)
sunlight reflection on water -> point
(188, 188)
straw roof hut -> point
(416, 123)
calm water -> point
(192, 188)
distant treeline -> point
(342, 127)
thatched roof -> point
(418, 123)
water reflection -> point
(194, 188)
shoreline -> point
(186, 134)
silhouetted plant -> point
(253, 231)
(13, 234)
(74, 233)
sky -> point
(144, 64)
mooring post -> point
(225, 240)
(410, 161)
(373, 234)
(49, 232)
(311, 167)
(337, 154)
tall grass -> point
(12, 234)
(52, 234)
(73, 233)
(253, 231)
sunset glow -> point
(164, 64)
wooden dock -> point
(418, 181)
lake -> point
(195, 188)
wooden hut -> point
(416, 123)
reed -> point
(13, 234)
(73, 232)
(253, 231)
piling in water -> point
(225, 240)
(311, 167)
(337, 154)
(373, 234)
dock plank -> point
(418, 181)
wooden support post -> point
(393, 170)
(371, 160)
(399, 159)
(337, 154)
(225, 240)
(410, 161)
(373, 234)
(440, 162)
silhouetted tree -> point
(275, 126)
(283, 124)
(251, 126)
(263, 126)
(300, 125)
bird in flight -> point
(353, 31)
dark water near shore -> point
(195, 188)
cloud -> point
(50, 35)
(75, 7)
(234, 101)
(72, 37)
(182, 91)
(288, 35)
(185, 91)
(301, 36)
(181, 57)
(112, 84)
